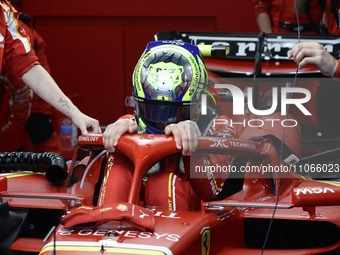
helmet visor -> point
(163, 112)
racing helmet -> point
(167, 82)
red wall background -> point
(93, 46)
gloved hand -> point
(135, 215)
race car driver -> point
(16, 51)
(167, 83)
(26, 123)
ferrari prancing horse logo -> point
(205, 239)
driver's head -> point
(166, 83)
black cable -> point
(102, 222)
(52, 163)
(283, 131)
(259, 49)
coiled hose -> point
(52, 163)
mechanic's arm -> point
(115, 131)
(313, 53)
(39, 80)
(264, 22)
(186, 135)
(262, 13)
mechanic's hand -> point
(186, 135)
(313, 53)
(115, 130)
(86, 124)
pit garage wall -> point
(93, 46)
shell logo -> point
(146, 137)
(122, 207)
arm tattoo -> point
(63, 103)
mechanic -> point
(278, 16)
(167, 83)
(27, 122)
(330, 21)
(23, 64)
(328, 92)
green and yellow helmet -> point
(167, 81)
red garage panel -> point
(87, 60)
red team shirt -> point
(18, 57)
(15, 48)
(284, 11)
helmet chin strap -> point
(147, 126)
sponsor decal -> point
(122, 208)
(223, 143)
(170, 215)
(132, 234)
(205, 240)
(143, 214)
(219, 143)
(174, 42)
(245, 46)
(146, 137)
(88, 139)
(106, 209)
(313, 190)
(169, 204)
(243, 145)
(84, 207)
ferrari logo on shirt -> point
(23, 31)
